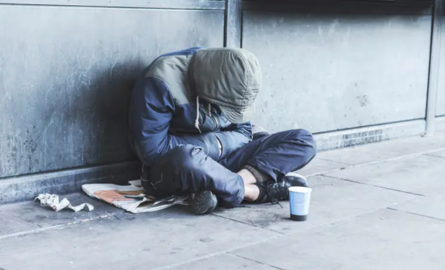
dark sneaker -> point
(296, 180)
(203, 202)
(279, 191)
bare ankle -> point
(247, 176)
(252, 193)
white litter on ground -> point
(52, 200)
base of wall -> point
(359, 136)
(25, 188)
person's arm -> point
(151, 111)
(234, 137)
(230, 136)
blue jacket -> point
(164, 113)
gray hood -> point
(229, 78)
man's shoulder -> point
(172, 69)
(174, 61)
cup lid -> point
(300, 189)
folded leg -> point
(187, 169)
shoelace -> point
(274, 201)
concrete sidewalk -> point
(379, 206)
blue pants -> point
(187, 169)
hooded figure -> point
(190, 125)
(202, 97)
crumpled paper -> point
(52, 200)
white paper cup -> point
(299, 201)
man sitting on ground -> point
(189, 120)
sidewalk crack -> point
(432, 155)
(42, 229)
(377, 186)
(350, 166)
(255, 261)
(335, 161)
(415, 214)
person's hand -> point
(211, 119)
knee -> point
(305, 138)
(180, 151)
(177, 160)
(185, 156)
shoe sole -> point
(204, 202)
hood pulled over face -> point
(229, 78)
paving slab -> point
(385, 240)
(332, 200)
(225, 262)
(28, 216)
(419, 174)
(143, 241)
(432, 206)
(11, 225)
(318, 166)
(385, 150)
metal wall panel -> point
(327, 72)
(440, 107)
(66, 75)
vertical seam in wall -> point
(226, 18)
(233, 21)
(241, 26)
(433, 15)
(435, 44)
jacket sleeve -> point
(151, 110)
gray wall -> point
(326, 72)
(66, 74)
